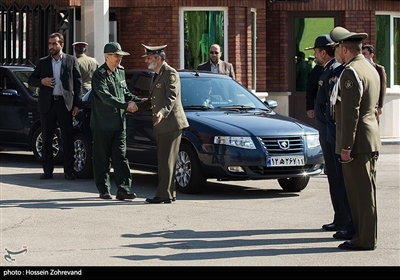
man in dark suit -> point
(169, 120)
(357, 135)
(324, 55)
(215, 64)
(368, 52)
(60, 82)
(111, 99)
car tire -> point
(37, 146)
(294, 184)
(189, 175)
(83, 165)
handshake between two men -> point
(132, 107)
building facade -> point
(261, 38)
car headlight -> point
(236, 141)
(313, 141)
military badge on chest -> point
(158, 85)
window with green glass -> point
(200, 30)
(387, 49)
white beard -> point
(152, 65)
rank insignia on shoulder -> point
(102, 70)
(348, 84)
(172, 78)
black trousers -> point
(58, 114)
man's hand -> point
(48, 82)
(159, 118)
(132, 107)
(75, 111)
(310, 113)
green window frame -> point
(387, 49)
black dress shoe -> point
(333, 227)
(105, 195)
(344, 235)
(158, 200)
(347, 245)
(123, 194)
(69, 176)
(174, 198)
(46, 176)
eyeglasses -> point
(214, 52)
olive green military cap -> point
(114, 47)
(153, 50)
(340, 35)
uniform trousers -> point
(58, 114)
(109, 150)
(167, 155)
(360, 182)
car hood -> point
(254, 122)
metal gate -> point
(25, 31)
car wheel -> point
(83, 166)
(37, 147)
(295, 184)
(188, 174)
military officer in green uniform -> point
(355, 97)
(169, 120)
(87, 65)
(110, 99)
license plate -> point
(285, 161)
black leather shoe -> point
(174, 198)
(70, 176)
(333, 227)
(123, 194)
(347, 245)
(158, 200)
(46, 176)
(344, 235)
(105, 195)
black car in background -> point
(20, 125)
(233, 135)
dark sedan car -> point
(19, 117)
(233, 135)
(20, 125)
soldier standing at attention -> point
(355, 97)
(87, 65)
(110, 100)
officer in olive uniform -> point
(355, 98)
(110, 100)
(87, 64)
(169, 120)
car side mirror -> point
(271, 103)
(9, 92)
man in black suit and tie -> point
(60, 82)
(215, 64)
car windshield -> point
(23, 76)
(200, 92)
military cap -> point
(340, 35)
(321, 41)
(153, 50)
(114, 47)
(80, 46)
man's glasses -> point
(214, 52)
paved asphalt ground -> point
(63, 224)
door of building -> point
(305, 28)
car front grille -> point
(283, 145)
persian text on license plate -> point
(285, 161)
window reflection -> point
(201, 29)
